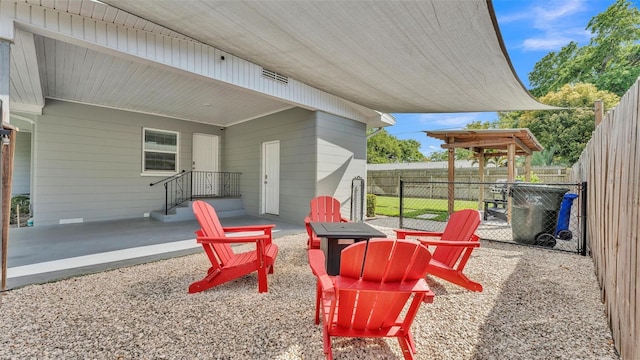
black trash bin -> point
(535, 213)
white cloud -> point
(548, 43)
(557, 22)
(543, 14)
(546, 15)
(449, 121)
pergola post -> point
(452, 176)
(511, 173)
(527, 168)
(481, 178)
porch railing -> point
(189, 185)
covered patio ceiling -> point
(391, 56)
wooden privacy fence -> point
(611, 166)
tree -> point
(439, 156)
(382, 148)
(479, 125)
(565, 131)
(410, 150)
(386, 148)
(611, 60)
(443, 155)
(545, 157)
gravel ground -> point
(537, 304)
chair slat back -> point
(461, 226)
(211, 227)
(325, 209)
(385, 261)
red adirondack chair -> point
(453, 247)
(225, 264)
(367, 301)
(323, 209)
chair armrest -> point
(318, 268)
(317, 261)
(248, 228)
(401, 233)
(307, 225)
(343, 219)
(449, 243)
(232, 240)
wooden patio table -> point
(336, 236)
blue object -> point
(565, 212)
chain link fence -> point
(544, 215)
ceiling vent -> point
(275, 76)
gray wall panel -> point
(342, 155)
(89, 162)
(295, 129)
(22, 164)
(319, 155)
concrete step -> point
(224, 208)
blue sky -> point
(530, 30)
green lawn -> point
(414, 207)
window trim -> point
(177, 153)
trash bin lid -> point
(538, 188)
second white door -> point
(205, 164)
(271, 177)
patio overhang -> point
(393, 57)
(205, 62)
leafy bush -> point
(371, 205)
(534, 177)
(23, 202)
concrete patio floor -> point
(48, 253)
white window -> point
(159, 152)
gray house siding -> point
(21, 182)
(88, 163)
(295, 129)
(341, 156)
(319, 155)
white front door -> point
(271, 177)
(204, 165)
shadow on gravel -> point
(549, 307)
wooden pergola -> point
(501, 142)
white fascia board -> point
(381, 120)
(7, 14)
(26, 61)
(177, 53)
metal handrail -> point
(169, 178)
(188, 185)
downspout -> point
(375, 132)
